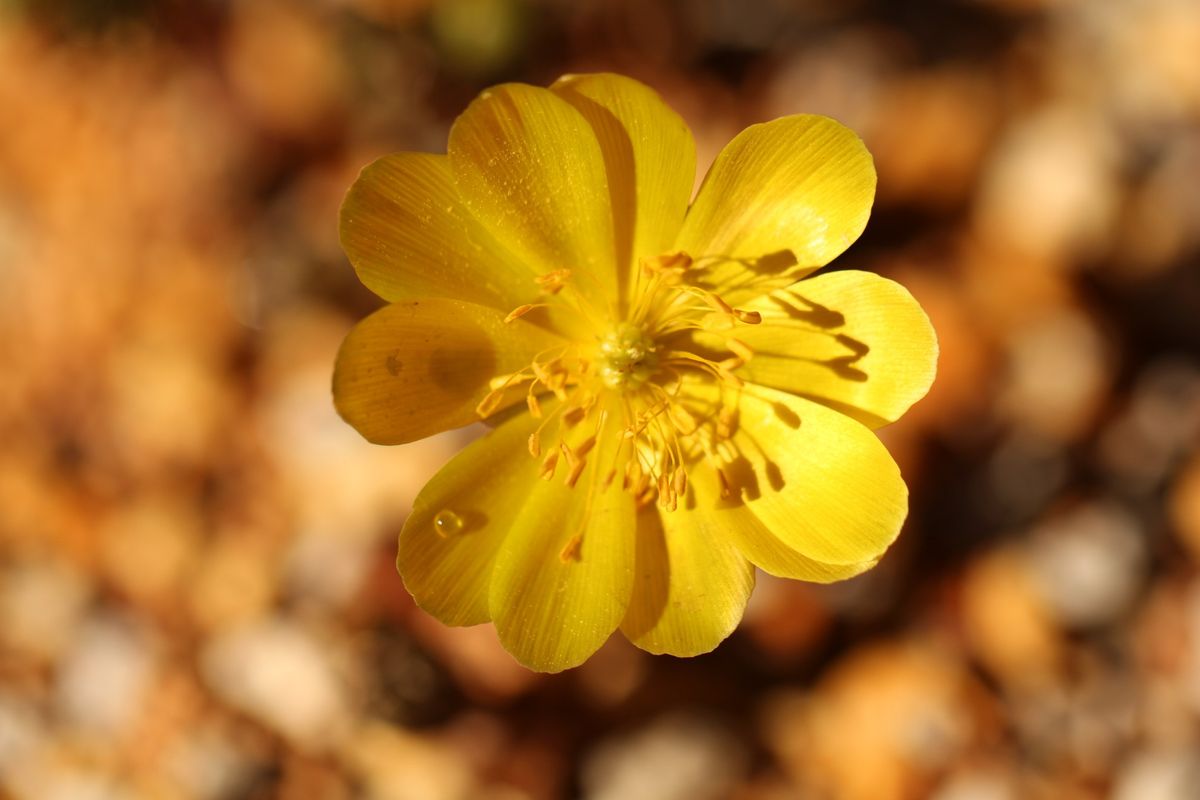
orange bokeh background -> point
(197, 591)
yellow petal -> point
(416, 368)
(819, 482)
(649, 157)
(802, 184)
(528, 166)
(459, 520)
(408, 236)
(852, 340)
(767, 549)
(564, 574)
(691, 582)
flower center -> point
(642, 401)
(626, 357)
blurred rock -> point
(1059, 371)
(279, 674)
(977, 785)
(148, 545)
(281, 60)
(233, 582)
(1160, 423)
(102, 683)
(208, 764)
(929, 135)
(395, 765)
(1050, 186)
(1183, 507)
(42, 602)
(1006, 621)
(1159, 775)
(1089, 563)
(878, 726)
(676, 757)
(22, 733)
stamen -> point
(572, 549)
(522, 310)
(535, 407)
(553, 282)
(491, 401)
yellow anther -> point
(571, 551)
(680, 481)
(585, 446)
(553, 282)
(679, 260)
(716, 302)
(491, 401)
(521, 311)
(535, 444)
(748, 317)
(573, 416)
(549, 463)
(535, 407)
(576, 471)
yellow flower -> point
(673, 406)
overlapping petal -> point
(765, 548)
(563, 575)
(528, 166)
(852, 340)
(649, 157)
(417, 368)
(822, 487)
(409, 236)
(691, 582)
(459, 520)
(802, 184)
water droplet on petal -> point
(447, 523)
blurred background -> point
(197, 591)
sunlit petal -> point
(564, 574)
(820, 482)
(852, 340)
(527, 165)
(691, 582)
(649, 156)
(409, 236)
(801, 184)
(459, 520)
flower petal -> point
(447, 567)
(767, 549)
(528, 166)
(416, 368)
(802, 184)
(819, 482)
(649, 156)
(563, 576)
(691, 583)
(408, 236)
(852, 340)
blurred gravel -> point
(197, 590)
